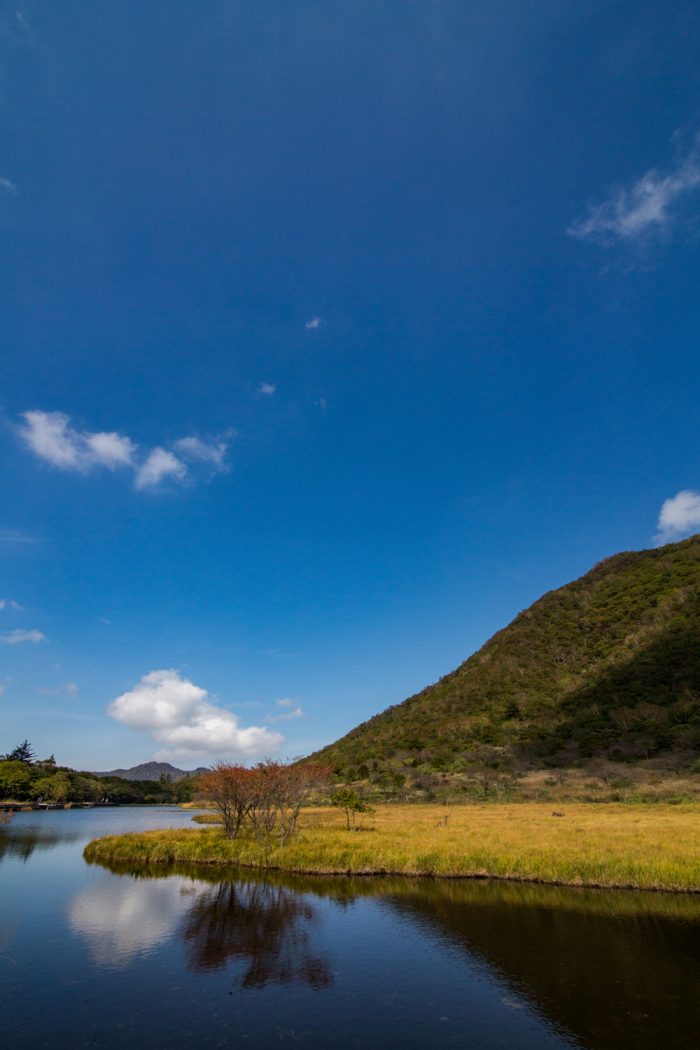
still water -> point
(133, 958)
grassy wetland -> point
(606, 845)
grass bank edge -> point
(599, 847)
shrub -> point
(269, 796)
(353, 806)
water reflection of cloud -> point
(266, 927)
(125, 918)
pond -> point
(209, 958)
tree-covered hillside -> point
(607, 667)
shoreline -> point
(383, 873)
(593, 847)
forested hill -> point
(153, 771)
(607, 667)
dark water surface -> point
(197, 958)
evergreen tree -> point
(22, 753)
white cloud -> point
(645, 207)
(679, 515)
(8, 186)
(179, 715)
(160, 464)
(17, 637)
(8, 603)
(51, 437)
(110, 450)
(196, 450)
(267, 389)
(313, 322)
(290, 710)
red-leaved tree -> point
(269, 796)
(230, 788)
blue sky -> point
(332, 334)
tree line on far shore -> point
(25, 778)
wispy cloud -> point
(197, 451)
(679, 516)
(8, 603)
(159, 464)
(181, 716)
(17, 637)
(10, 537)
(68, 689)
(313, 322)
(72, 716)
(290, 709)
(8, 186)
(267, 389)
(648, 206)
(52, 438)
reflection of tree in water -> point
(267, 925)
(21, 842)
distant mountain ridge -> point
(152, 771)
(606, 668)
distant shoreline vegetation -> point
(606, 846)
(27, 780)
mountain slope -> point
(607, 666)
(151, 771)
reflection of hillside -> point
(21, 842)
(617, 970)
(613, 978)
(266, 925)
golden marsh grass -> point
(641, 847)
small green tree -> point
(352, 805)
(184, 789)
(57, 788)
